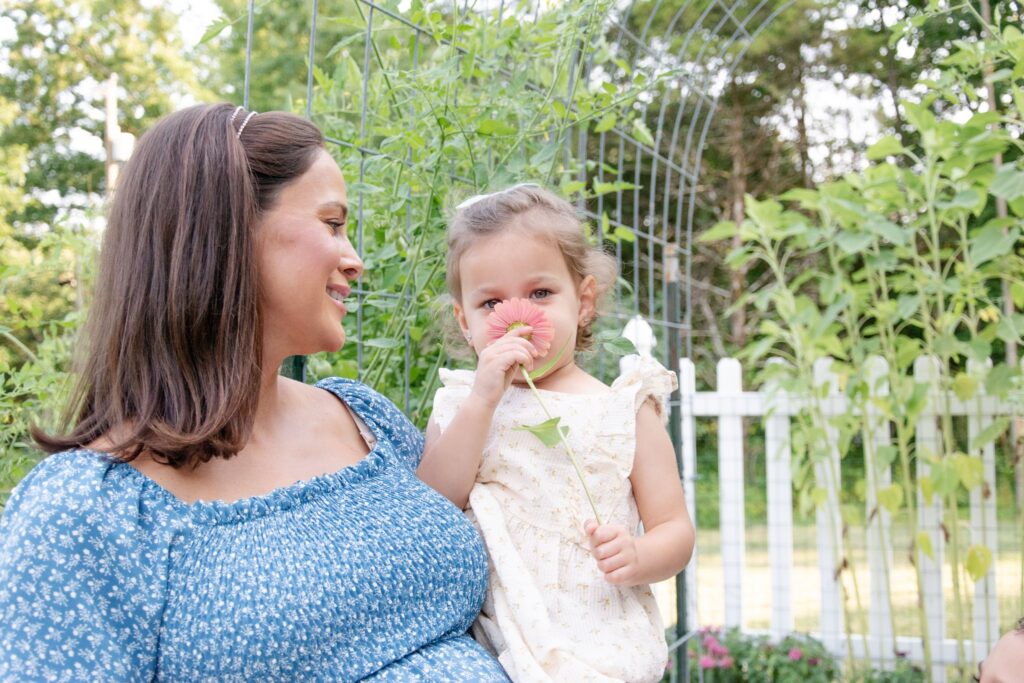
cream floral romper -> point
(549, 614)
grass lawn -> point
(806, 581)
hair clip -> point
(480, 197)
(235, 115)
(244, 123)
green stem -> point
(16, 343)
(568, 448)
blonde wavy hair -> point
(483, 216)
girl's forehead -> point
(513, 243)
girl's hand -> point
(614, 548)
(498, 362)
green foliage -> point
(473, 103)
(61, 50)
(39, 293)
(57, 54)
(903, 672)
(730, 656)
(907, 258)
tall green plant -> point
(902, 260)
(473, 102)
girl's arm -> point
(452, 458)
(667, 542)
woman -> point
(204, 517)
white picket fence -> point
(729, 405)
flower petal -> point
(513, 313)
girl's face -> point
(515, 264)
(306, 263)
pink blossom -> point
(796, 654)
(707, 662)
(725, 662)
(813, 661)
(513, 313)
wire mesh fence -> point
(425, 104)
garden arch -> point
(692, 56)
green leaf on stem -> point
(1008, 183)
(615, 344)
(927, 489)
(891, 498)
(537, 372)
(606, 123)
(991, 242)
(990, 433)
(549, 431)
(382, 343)
(642, 133)
(719, 231)
(978, 561)
(887, 146)
(970, 470)
(924, 544)
(965, 386)
(494, 127)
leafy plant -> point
(903, 260)
(730, 656)
(469, 102)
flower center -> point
(514, 325)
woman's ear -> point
(588, 299)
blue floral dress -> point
(362, 574)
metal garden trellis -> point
(711, 46)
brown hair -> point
(487, 215)
(173, 341)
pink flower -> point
(513, 313)
(707, 663)
(795, 655)
(813, 661)
(717, 649)
(725, 662)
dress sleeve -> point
(650, 380)
(383, 417)
(448, 399)
(70, 602)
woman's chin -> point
(336, 344)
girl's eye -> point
(491, 303)
(541, 293)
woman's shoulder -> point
(384, 418)
(364, 400)
(61, 483)
(67, 495)
(80, 489)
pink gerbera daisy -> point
(513, 313)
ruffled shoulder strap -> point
(455, 387)
(646, 379)
(456, 378)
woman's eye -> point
(491, 303)
(336, 226)
(541, 293)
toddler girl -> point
(569, 598)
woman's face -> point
(306, 263)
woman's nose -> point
(350, 264)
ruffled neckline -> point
(286, 497)
(643, 366)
